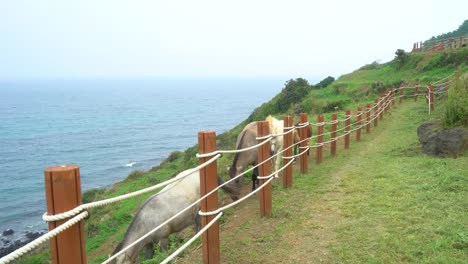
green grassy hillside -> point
(365, 212)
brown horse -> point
(242, 160)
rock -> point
(33, 235)
(8, 232)
(12, 246)
(442, 143)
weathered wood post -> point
(387, 100)
(358, 123)
(431, 97)
(287, 143)
(420, 46)
(264, 194)
(381, 107)
(416, 91)
(393, 94)
(401, 94)
(209, 182)
(333, 134)
(347, 128)
(63, 193)
(368, 112)
(376, 112)
(304, 159)
(319, 139)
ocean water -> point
(108, 128)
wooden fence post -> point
(431, 97)
(368, 110)
(304, 159)
(333, 134)
(63, 193)
(376, 112)
(287, 143)
(347, 128)
(420, 46)
(358, 123)
(208, 182)
(400, 94)
(264, 194)
(393, 94)
(387, 100)
(381, 107)
(416, 91)
(319, 138)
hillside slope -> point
(380, 201)
(107, 225)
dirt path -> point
(302, 227)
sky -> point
(113, 39)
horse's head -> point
(233, 188)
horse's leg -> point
(164, 244)
(197, 223)
(254, 178)
(149, 251)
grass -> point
(381, 201)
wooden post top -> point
(61, 168)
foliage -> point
(448, 59)
(293, 92)
(461, 31)
(374, 65)
(456, 107)
(324, 83)
(400, 58)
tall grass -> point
(456, 107)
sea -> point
(107, 127)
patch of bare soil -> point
(301, 231)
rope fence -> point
(363, 117)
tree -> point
(324, 83)
(293, 92)
(400, 58)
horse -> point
(308, 135)
(248, 138)
(158, 209)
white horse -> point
(276, 127)
(156, 210)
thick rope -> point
(206, 155)
(191, 240)
(42, 239)
(77, 210)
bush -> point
(400, 58)
(374, 65)
(456, 107)
(293, 92)
(324, 83)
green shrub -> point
(293, 92)
(456, 107)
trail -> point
(305, 221)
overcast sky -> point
(211, 39)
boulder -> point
(8, 232)
(442, 143)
